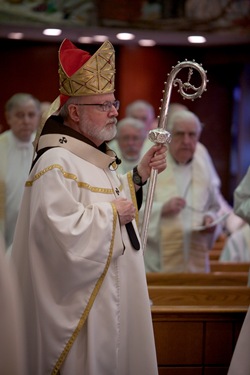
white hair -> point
(183, 115)
(139, 104)
(19, 99)
(129, 121)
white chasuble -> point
(83, 285)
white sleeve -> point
(242, 198)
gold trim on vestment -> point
(79, 148)
(91, 300)
(72, 177)
(45, 170)
(97, 189)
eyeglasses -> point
(106, 106)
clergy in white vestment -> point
(181, 229)
(11, 322)
(240, 363)
(237, 246)
(76, 249)
(242, 198)
(22, 113)
(128, 143)
(232, 222)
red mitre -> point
(71, 59)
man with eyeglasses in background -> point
(22, 113)
(128, 144)
(181, 229)
(142, 111)
(77, 249)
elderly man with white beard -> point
(77, 248)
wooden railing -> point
(198, 279)
(201, 296)
(217, 266)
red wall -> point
(28, 67)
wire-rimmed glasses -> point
(105, 107)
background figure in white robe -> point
(77, 248)
(143, 111)
(242, 198)
(240, 363)
(232, 222)
(22, 113)
(128, 143)
(185, 199)
(11, 323)
(237, 246)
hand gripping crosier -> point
(160, 135)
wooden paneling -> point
(216, 266)
(205, 296)
(198, 279)
(218, 335)
(215, 370)
(181, 343)
(195, 341)
(180, 371)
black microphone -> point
(117, 160)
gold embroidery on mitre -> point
(96, 76)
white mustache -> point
(112, 122)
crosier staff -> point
(160, 135)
